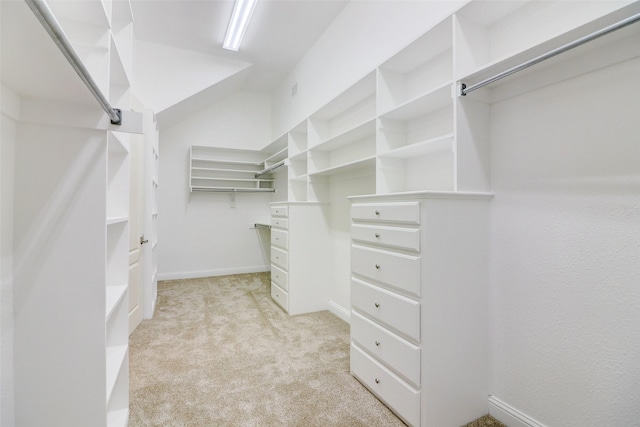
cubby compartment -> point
(350, 150)
(122, 31)
(86, 25)
(430, 171)
(120, 79)
(297, 140)
(347, 111)
(117, 176)
(117, 370)
(417, 70)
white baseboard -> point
(509, 415)
(213, 273)
(340, 311)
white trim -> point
(340, 311)
(509, 415)
(213, 273)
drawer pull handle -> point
(377, 343)
(377, 304)
(377, 212)
(377, 235)
(377, 266)
(377, 381)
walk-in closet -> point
(356, 212)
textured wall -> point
(566, 176)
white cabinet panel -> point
(280, 277)
(279, 296)
(403, 238)
(280, 257)
(282, 211)
(399, 271)
(397, 354)
(279, 238)
(278, 222)
(403, 399)
(401, 212)
(397, 312)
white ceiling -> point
(279, 34)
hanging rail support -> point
(270, 168)
(41, 10)
(464, 89)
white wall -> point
(566, 302)
(361, 38)
(10, 110)
(200, 234)
(165, 75)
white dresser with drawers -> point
(420, 303)
(299, 243)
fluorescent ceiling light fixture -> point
(242, 11)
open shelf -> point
(423, 66)
(116, 358)
(348, 166)
(422, 148)
(436, 99)
(228, 170)
(114, 296)
(350, 109)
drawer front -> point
(280, 211)
(280, 257)
(397, 270)
(279, 296)
(280, 238)
(395, 311)
(280, 223)
(402, 212)
(400, 397)
(394, 352)
(280, 277)
(404, 238)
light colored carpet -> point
(219, 352)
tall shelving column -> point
(116, 278)
(341, 137)
(297, 145)
(118, 185)
(415, 137)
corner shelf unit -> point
(231, 170)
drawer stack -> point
(300, 247)
(420, 303)
(385, 297)
(280, 256)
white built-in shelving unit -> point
(408, 128)
(406, 123)
(231, 170)
(73, 350)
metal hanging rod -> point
(41, 10)
(233, 190)
(270, 168)
(604, 31)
